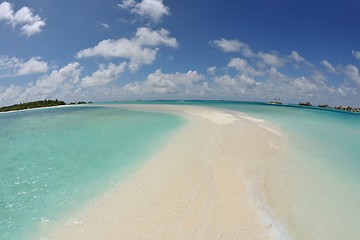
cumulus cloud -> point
(356, 54)
(260, 76)
(34, 65)
(147, 37)
(24, 18)
(225, 81)
(296, 57)
(154, 10)
(59, 84)
(7, 62)
(141, 49)
(104, 75)
(253, 82)
(66, 83)
(328, 66)
(352, 72)
(211, 70)
(242, 66)
(9, 95)
(225, 45)
(189, 83)
(50, 85)
(298, 60)
(271, 59)
(227, 85)
(274, 74)
(12, 66)
(304, 86)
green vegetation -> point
(29, 105)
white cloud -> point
(23, 18)
(225, 80)
(122, 48)
(356, 54)
(6, 11)
(274, 74)
(317, 75)
(13, 66)
(8, 63)
(271, 59)
(352, 72)
(239, 64)
(104, 75)
(304, 86)
(227, 45)
(9, 95)
(34, 65)
(105, 25)
(211, 70)
(146, 37)
(245, 80)
(241, 80)
(275, 84)
(296, 57)
(140, 50)
(152, 9)
(234, 87)
(328, 66)
(243, 67)
(259, 77)
(189, 83)
(50, 86)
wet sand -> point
(205, 183)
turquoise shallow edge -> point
(53, 159)
(317, 176)
(41, 146)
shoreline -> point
(32, 109)
(206, 183)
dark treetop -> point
(29, 105)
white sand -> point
(201, 185)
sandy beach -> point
(205, 183)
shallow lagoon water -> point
(54, 159)
(312, 187)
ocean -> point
(312, 187)
(54, 159)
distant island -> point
(52, 103)
(343, 108)
(30, 105)
(308, 104)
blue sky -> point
(165, 49)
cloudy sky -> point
(104, 50)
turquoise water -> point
(53, 159)
(313, 186)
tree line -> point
(29, 105)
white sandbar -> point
(202, 185)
